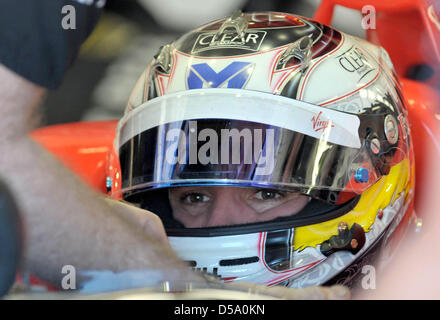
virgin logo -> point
(319, 124)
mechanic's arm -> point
(65, 222)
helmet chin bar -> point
(269, 258)
(263, 257)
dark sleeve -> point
(33, 42)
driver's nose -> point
(227, 209)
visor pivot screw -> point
(391, 129)
(375, 146)
(361, 175)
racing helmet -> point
(272, 101)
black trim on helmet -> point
(316, 211)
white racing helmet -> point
(279, 102)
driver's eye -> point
(268, 195)
(194, 198)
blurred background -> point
(129, 34)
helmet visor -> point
(243, 138)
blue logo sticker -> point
(234, 75)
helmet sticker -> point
(250, 41)
(234, 75)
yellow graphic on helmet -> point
(382, 194)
